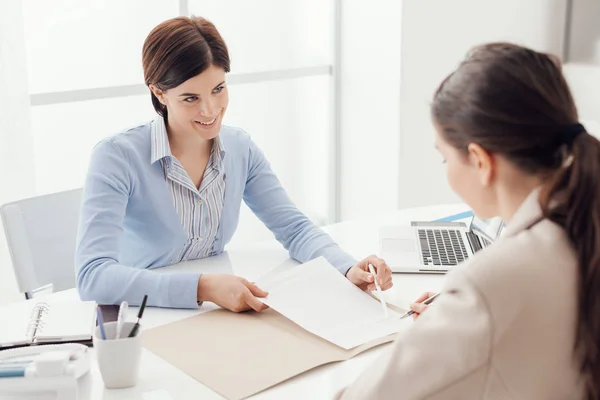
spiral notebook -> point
(35, 322)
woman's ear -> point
(160, 95)
(483, 161)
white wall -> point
(436, 34)
(370, 102)
(583, 61)
(584, 33)
(289, 118)
(584, 80)
(16, 152)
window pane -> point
(80, 44)
(290, 121)
(65, 134)
(272, 34)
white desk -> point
(161, 381)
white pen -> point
(379, 292)
(121, 318)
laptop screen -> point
(491, 228)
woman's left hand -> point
(361, 276)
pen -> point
(428, 301)
(121, 318)
(136, 327)
(13, 373)
(379, 292)
(101, 323)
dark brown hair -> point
(179, 49)
(516, 102)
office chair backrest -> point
(41, 233)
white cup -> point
(118, 359)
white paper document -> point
(321, 300)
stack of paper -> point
(317, 297)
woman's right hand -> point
(231, 292)
(418, 307)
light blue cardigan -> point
(128, 223)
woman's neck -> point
(512, 195)
(184, 142)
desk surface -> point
(161, 381)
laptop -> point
(436, 247)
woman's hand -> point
(418, 307)
(231, 292)
(361, 277)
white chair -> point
(41, 233)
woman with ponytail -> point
(521, 319)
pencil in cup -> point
(121, 318)
(136, 326)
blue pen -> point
(12, 373)
(101, 323)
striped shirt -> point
(200, 209)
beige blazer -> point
(503, 327)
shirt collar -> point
(160, 141)
(160, 147)
(218, 153)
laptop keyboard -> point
(442, 247)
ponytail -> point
(572, 200)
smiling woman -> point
(170, 190)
